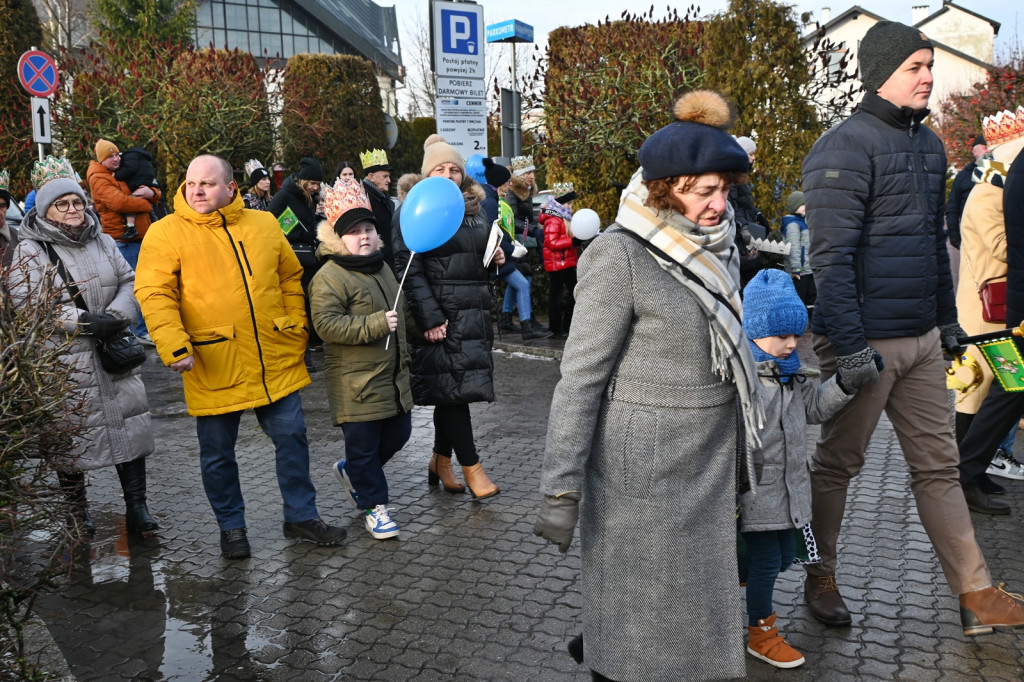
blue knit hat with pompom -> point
(771, 306)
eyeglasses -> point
(63, 206)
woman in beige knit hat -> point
(449, 298)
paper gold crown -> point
(1004, 126)
(5, 180)
(251, 165)
(343, 197)
(560, 189)
(374, 157)
(51, 168)
(522, 163)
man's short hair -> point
(229, 173)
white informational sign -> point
(463, 122)
(458, 39)
(41, 132)
(461, 88)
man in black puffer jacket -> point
(874, 188)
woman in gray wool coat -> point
(658, 396)
(117, 430)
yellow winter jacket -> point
(225, 287)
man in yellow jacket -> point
(220, 288)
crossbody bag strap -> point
(76, 294)
(689, 275)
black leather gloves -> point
(858, 369)
(557, 519)
(950, 335)
(102, 325)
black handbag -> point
(118, 354)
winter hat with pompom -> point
(436, 151)
(696, 142)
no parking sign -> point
(38, 73)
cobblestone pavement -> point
(467, 592)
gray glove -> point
(557, 519)
(102, 325)
(858, 369)
(950, 335)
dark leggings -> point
(561, 280)
(453, 429)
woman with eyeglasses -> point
(117, 430)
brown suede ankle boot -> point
(440, 469)
(992, 607)
(478, 483)
(767, 644)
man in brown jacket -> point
(115, 201)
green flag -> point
(506, 218)
(1006, 363)
(288, 220)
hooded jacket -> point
(114, 200)
(365, 380)
(559, 251)
(874, 188)
(225, 288)
(449, 284)
(117, 425)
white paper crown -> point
(560, 189)
(52, 168)
(522, 164)
(251, 165)
(1004, 126)
(343, 197)
(768, 246)
(5, 180)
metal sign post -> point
(512, 31)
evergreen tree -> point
(157, 21)
(21, 32)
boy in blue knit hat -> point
(779, 509)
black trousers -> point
(453, 430)
(997, 414)
(561, 281)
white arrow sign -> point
(41, 120)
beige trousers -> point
(912, 391)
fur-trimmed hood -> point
(522, 189)
(471, 190)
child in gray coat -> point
(779, 508)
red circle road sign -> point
(38, 73)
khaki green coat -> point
(365, 381)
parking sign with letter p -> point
(457, 31)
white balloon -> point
(585, 224)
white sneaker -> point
(379, 523)
(1004, 464)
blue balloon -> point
(431, 213)
(475, 168)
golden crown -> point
(560, 189)
(5, 180)
(343, 197)
(1004, 126)
(251, 165)
(51, 168)
(521, 164)
(374, 157)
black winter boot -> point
(73, 485)
(533, 331)
(133, 483)
(505, 323)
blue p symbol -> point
(459, 32)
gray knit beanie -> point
(885, 46)
(55, 189)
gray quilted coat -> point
(643, 427)
(117, 427)
(781, 464)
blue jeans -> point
(285, 423)
(368, 447)
(130, 251)
(1010, 439)
(768, 554)
(521, 286)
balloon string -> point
(399, 294)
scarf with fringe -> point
(708, 253)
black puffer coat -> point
(384, 213)
(449, 284)
(874, 187)
(291, 196)
(1013, 213)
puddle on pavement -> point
(124, 614)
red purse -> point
(993, 301)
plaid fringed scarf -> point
(709, 254)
